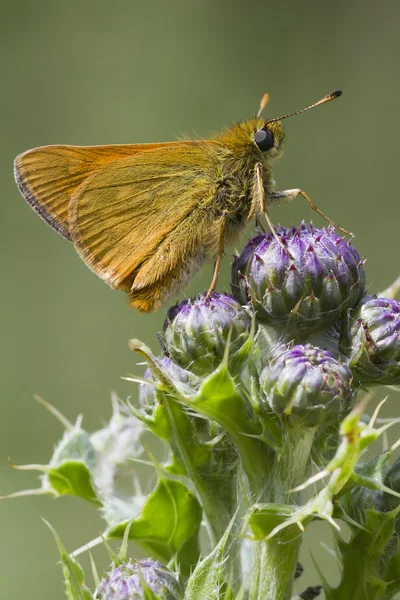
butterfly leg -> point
(217, 263)
(259, 201)
(260, 226)
(290, 195)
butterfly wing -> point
(49, 176)
(139, 221)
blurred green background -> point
(98, 72)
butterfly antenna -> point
(263, 104)
(324, 100)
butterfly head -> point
(269, 138)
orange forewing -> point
(48, 176)
(130, 210)
(121, 215)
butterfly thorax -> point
(239, 156)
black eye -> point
(264, 139)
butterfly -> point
(144, 217)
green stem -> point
(274, 565)
(217, 494)
(290, 467)
(255, 461)
(275, 560)
(217, 506)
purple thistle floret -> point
(305, 289)
(307, 386)
(372, 341)
(126, 582)
(196, 332)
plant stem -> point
(274, 565)
(275, 559)
(217, 506)
(290, 466)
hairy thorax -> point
(238, 164)
(236, 190)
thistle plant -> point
(258, 398)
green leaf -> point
(219, 401)
(392, 575)
(74, 445)
(204, 464)
(183, 438)
(363, 559)
(170, 518)
(73, 478)
(209, 579)
(158, 421)
(74, 575)
(198, 449)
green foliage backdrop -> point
(97, 72)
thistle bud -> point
(128, 581)
(302, 290)
(372, 341)
(307, 386)
(196, 332)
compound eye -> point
(264, 139)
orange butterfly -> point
(143, 217)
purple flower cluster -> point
(128, 582)
(305, 295)
(303, 289)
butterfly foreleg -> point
(217, 264)
(259, 200)
(259, 225)
(290, 195)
